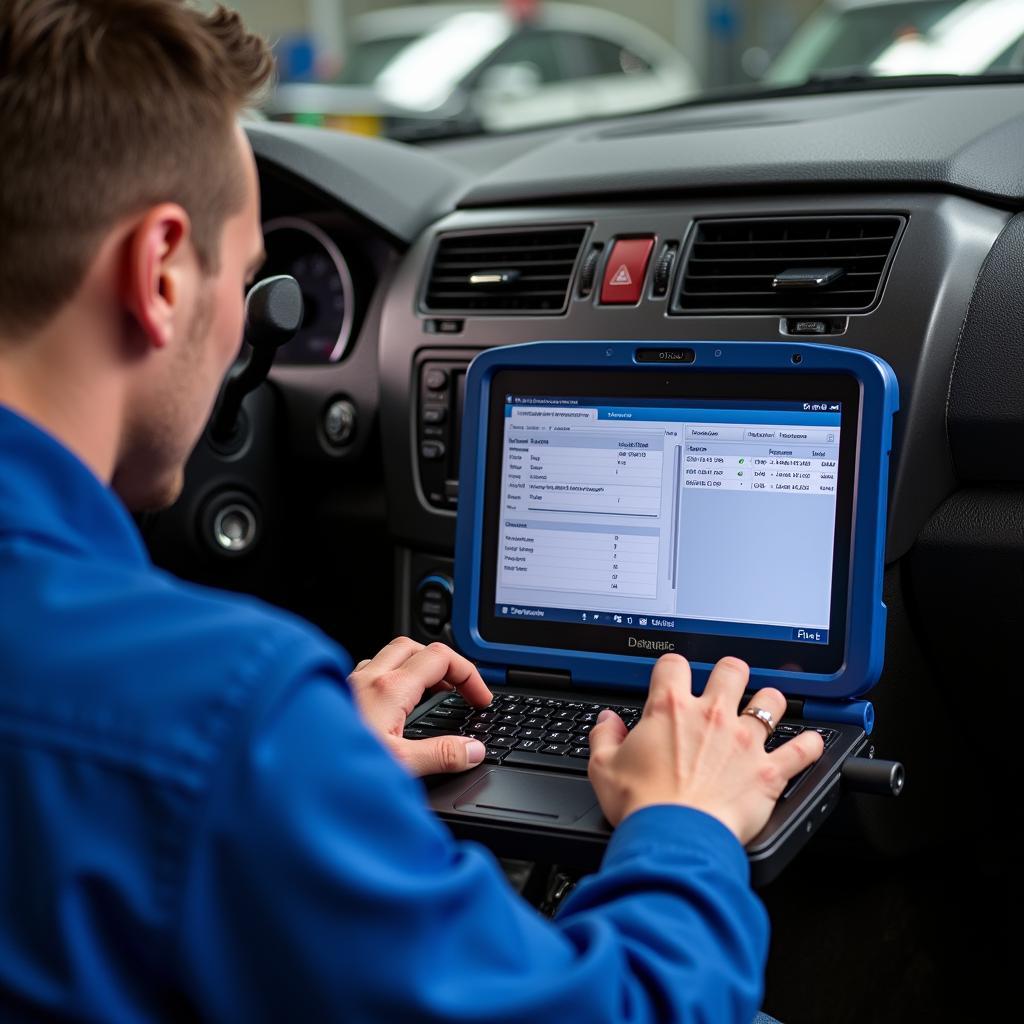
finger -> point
(670, 677)
(391, 657)
(440, 754)
(439, 663)
(607, 736)
(799, 752)
(727, 682)
(771, 700)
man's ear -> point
(157, 259)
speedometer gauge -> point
(298, 247)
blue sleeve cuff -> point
(670, 827)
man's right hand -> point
(697, 751)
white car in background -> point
(415, 72)
(849, 35)
(979, 35)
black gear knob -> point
(273, 315)
(273, 312)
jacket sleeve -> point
(319, 886)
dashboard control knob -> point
(230, 523)
(433, 604)
(588, 272)
(339, 422)
(432, 450)
(436, 380)
(663, 269)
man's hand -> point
(697, 751)
(388, 687)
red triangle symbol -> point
(621, 276)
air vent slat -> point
(536, 267)
(792, 257)
(747, 242)
(732, 264)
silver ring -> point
(763, 716)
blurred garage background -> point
(422, 70)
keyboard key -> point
(532, 759)
(420, 732)
(788, 729)
(494, 755)
(511, 719)
(454, 713)
(583, 751)
(454, 701)
(556, 748)
(554, 703)
(533, 700)
(501, 741)
(531, 734)
(558, 737)
(433, 721)
(505, 730)
(536, 723)
(527, 745)
(487, 716)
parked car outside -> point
(416, 72)
(849, 35)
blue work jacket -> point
(194, 821)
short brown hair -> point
(108, 107)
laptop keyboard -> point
(530, 731)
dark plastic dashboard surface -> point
(965, 139)
(398, 188)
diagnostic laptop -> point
(619, 500)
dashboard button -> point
(434, 414)
(339, 422)
(625, 270)
(432, 450)
(435, 379)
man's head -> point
(129, 208)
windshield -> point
(428, 70)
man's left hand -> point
(388, 687)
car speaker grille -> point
(733, 266)
(503, 271)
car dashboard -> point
(350, 472)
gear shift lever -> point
(273, 315)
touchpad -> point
(527, 797)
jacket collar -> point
(47, 493)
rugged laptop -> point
(622, 499)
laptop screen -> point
(636, 513)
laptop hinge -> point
(851, 712)
(545, 679)
(794, 707)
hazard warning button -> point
(625, 270)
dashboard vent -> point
(776, 264)
(503, 271)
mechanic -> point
(205, 811)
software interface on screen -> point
(713, 517)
